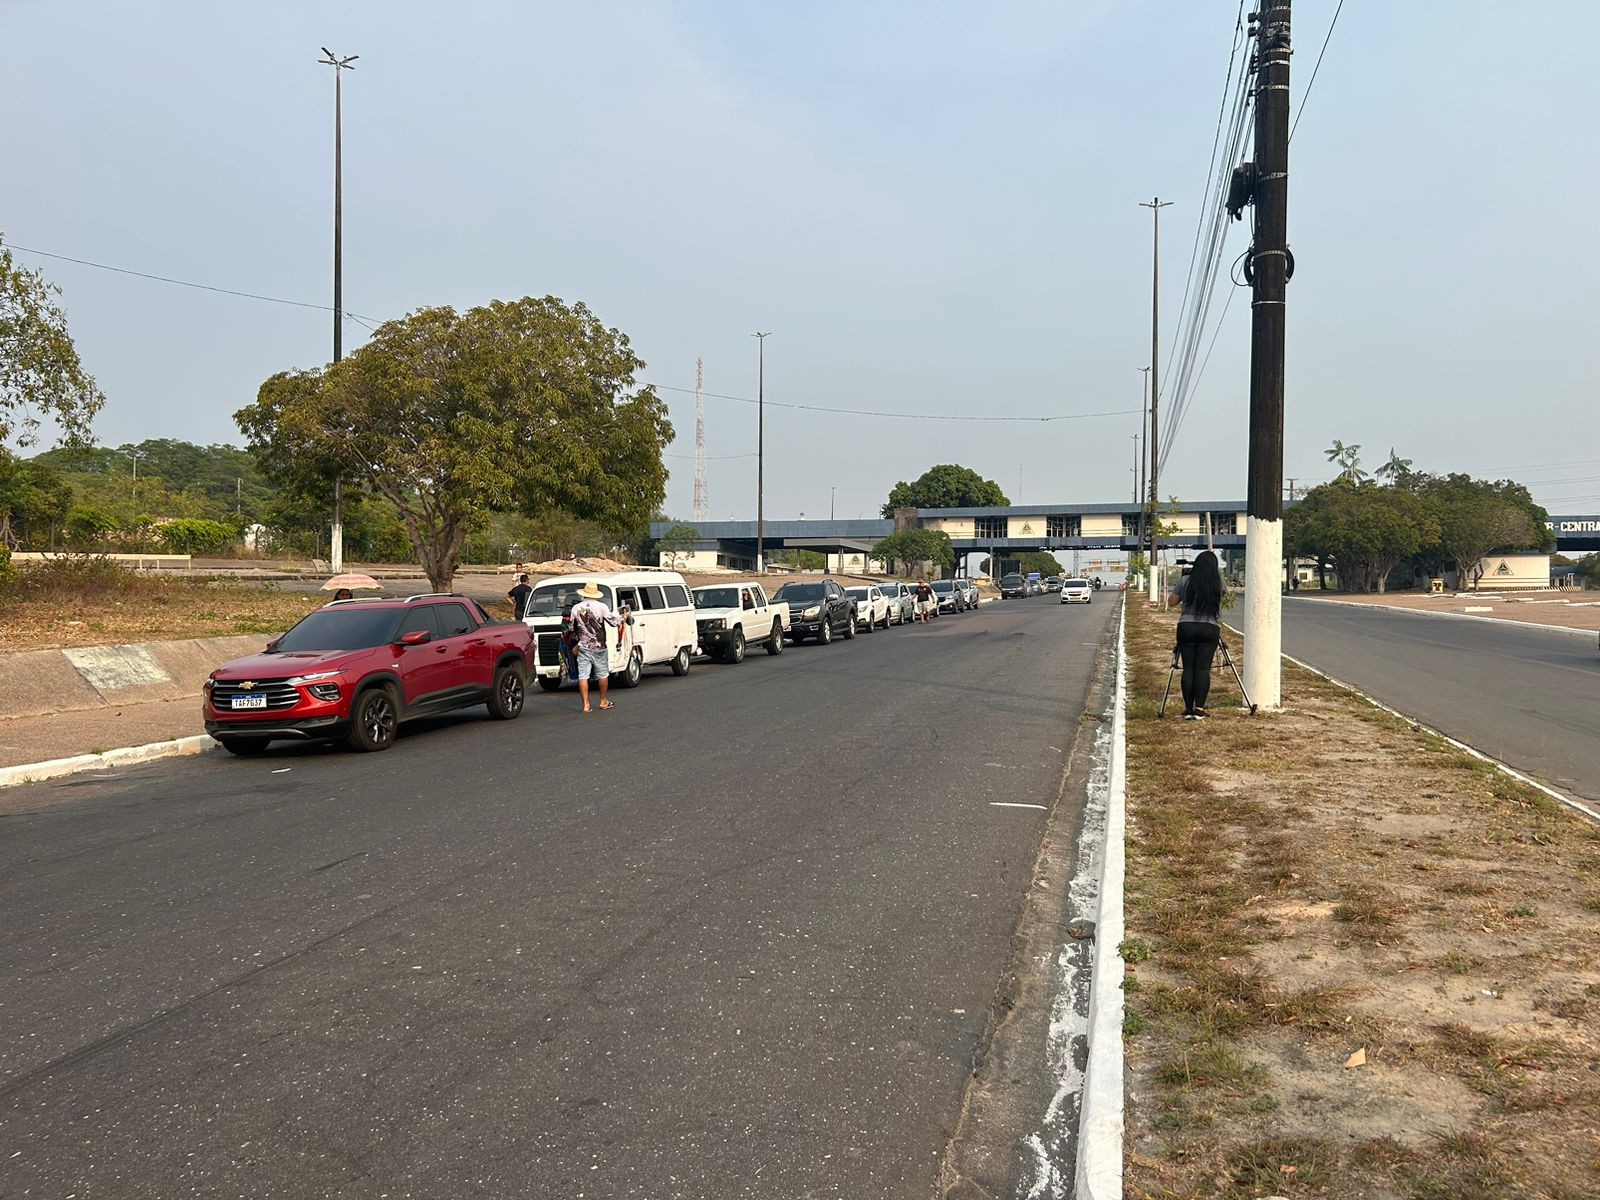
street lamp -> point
(340, 66)
(761, 448)
(134, 455)
(832, 488)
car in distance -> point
(818, 609)
(872, 606)
(1076, 591)
(1013, 587)
(948, 597)
(358, 669)
(902, 601)
(969, 592)
(732, 616)
(1052, 583)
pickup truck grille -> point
(279, 693)
(549, 649)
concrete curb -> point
(1576, 805)
(1428, 612)
(128, 756)
(1099, 1172)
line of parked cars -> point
(356, 670)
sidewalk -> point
(89, 731)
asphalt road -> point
(1526, 695)
(736, 938)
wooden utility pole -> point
(1269, 262)
(1155, 206)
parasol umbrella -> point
(353, 582)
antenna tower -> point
(702, 502)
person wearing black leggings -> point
(1198, 595)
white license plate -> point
(249, 702)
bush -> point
(69, 575)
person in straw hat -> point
(592, 619)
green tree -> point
(945, 486)
(41, 377)
(1041, 561)
(86, 528)
(529, 404)
(1348, 460)
(34, 499)
(197, 535)
(675, 541)
(1476, 518)
(911, 546)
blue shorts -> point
(593, 664)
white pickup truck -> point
(733, 616)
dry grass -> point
(1307, 884)
(91, 602)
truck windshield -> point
(857, 593)
(552, 599)
(1076, 583)
(1011, 581)
(943, 586)
(717, 598)
(800, 591)
(340, 629)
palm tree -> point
(1396, 469)
(1348, 459)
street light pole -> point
(1155, 206)
(761, 449)
(340, 66)
(832, 489)
(1144, 438)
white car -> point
(1076, 591)
(902, 602)
(872, 607)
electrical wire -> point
(904, 416)
(1312, 82)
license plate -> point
(249, 702)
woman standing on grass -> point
(1199, 593)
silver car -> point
(902, 602)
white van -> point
(661, 626)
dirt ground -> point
(1360, 963)
(1568, 610)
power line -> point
(904, 416)
(1310, 83)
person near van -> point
(592, 620)
(342, 594)
(1198, 597)
(518, 596)
(925, 601)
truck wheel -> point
(553, 684)
(864, 626)
(373, 721)
(825, 632)
(508, 692)
(735, 651)
(634, 671)
(850, 627)
(775, 639)
(680, 661)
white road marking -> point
(1009, 804)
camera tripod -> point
(1227, 659)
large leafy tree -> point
(40, 375)
(34, 498)
(946, 486)
(1476, 518)
(911, 546)
(529, 404)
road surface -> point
(738, 937)
(1527, 695)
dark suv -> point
(818, 610)
(1013, 587)
(358, 668)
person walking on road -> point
(518, 596)
(593, 620)
(925, 601)
(1198, 596)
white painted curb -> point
(1455, 616)
(1576, 805)
(1099, 1173)
(128, 756)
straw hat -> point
(591, 591)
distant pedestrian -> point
(518, 596)
(593, 621)
(342, 594)
(925, 601)
(1198, 596)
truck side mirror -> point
(417, 637)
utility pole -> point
(340, 66)
(1134, 470)
(1144, 440)
(832, 489)
(1155, 206)
(134, 455)
(761, 449)
(1269, 260)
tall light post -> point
(340, 66)
(1155, 205)
(1144, 438)
(832, 489)
(761, 449)
(134, 455)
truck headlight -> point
(814, 611)
(324, 691)
(715, 623)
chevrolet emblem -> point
(247, 685)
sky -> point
(933, 207)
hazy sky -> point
(932, 206)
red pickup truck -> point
(358, 668)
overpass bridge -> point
(1017, 529)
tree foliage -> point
(1477, 518)
(945, 486)
(1041, 561)
(34, 498)
(41, 377)
(529, 404)
(911, 546)
(675, 541)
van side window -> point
(760, 594)
(627, 598)
(454, 619)
(745, 601)
(677, 597)
(652, 597)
